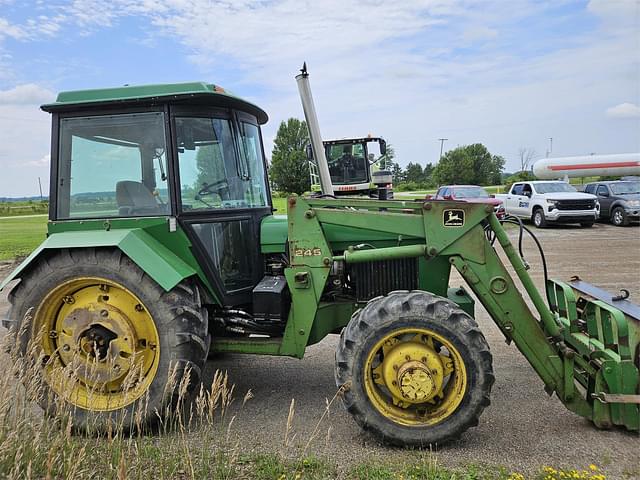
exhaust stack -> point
(314, 130)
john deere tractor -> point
(162, 247)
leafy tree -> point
(414, 173)
(289, 170)
(210, 165)
(469, 164)
(397, 173)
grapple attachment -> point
(602, 356)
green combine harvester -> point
(162, 248)
(354, 168)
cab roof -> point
(197, 93)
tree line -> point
(467, 164)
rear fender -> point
(155, 259)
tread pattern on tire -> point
(384, 311)
(180, 318)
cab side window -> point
(602, 191)
(590, 188)
(517, 189)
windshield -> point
(212, 174)
(470, 192)
(347, 163)
(624, 188)
(553, 187)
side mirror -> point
(448, 197)
(309, 152)
(383, 147)
(604, 194)
(527, 194)
(428, 197)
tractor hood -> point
(274, 233)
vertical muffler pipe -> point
(314, 130)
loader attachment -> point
(604, 332)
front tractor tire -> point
(414, 369)
(108, 342)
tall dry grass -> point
(185, 442)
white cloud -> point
(13, 31)
(480, 33)
(26, 94)
(624, 110)
(41, 163)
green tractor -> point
(162, 248)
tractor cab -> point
(190, 152)
(352, 163)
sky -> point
(510, 74)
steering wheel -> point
(211, 188)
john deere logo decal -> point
(453, 218)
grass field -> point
(20, 235)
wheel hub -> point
(413, 372)
(99, 340)
(416, 382)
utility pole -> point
(442, 140)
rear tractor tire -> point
(106, 339)
(414, 369)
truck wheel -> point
(619, 217)
(414, 369)
(538, 218)
(106, 338)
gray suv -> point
(619, 200)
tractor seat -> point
(134, 198)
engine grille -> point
(372, 279)
(576, 204)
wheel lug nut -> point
(104, 313)
(407, 358)
(424, 359)
(116, 368)
(66, 348)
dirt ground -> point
(523, 429)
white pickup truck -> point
(550, 201)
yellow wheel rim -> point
(415, 377)
(100, 346)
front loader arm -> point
(582, 356)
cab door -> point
(223, 196)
